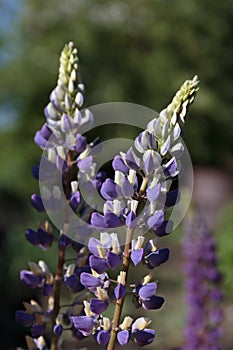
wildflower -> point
(203, 294)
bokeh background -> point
(134, 51)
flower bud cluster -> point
(202, 285)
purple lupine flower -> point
(37, 330)
(109, 189)
(30, 279)
(204, 314)
(58, 330)
(83, 324)
(120, 289)
(137, 250)
(106, 252)
(144, 294)
(118, 164)
(98, 306)
(37, 203)
(40, 238)
(103, 337)
(124, 333)
(24, 318)
(153, 256)
(142, 335)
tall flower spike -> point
(202, 285)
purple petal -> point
(24, 318)
(147, 291)
(32, 236)
(81, 143)
(98, 221)
(64, 241)
(118, 164)
(58, 329)
(45, 132)
(40, 140)
(132, 160)
(98, 306)
(144, 337)
(156, 219)
(172, 198)
(47, 289)
(85, 163)
(36, 202)
(126, 188)
(38, 330)
(98, 264)
(73, 284)
(170, 168)
(131, 220)
(103, 337)
(153, 303)
(113, 260)
(35, 171)
(153, 193)
(120, 291)
(84, 324)
(92, 246)
(89, 281)
(75, 200)
(136, 256)
(123, 337)
(112, 220)
(149, 164)
(30, 279)
(164, 229)
(109, 190)
(45, 238)
(158, 257)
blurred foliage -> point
(135, 51)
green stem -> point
(125, 268)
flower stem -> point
(120, 302)
(61, 261)
(126, 264)
(56, 295)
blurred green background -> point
(134, 51)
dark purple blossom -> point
(83, 324)
(24, 318)
(37, 203)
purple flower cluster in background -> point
(136, 201)
(202, 286)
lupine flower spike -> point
(136, 200)
(202, 286)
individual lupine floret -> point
(32, 317)
(38, 276)
(124, 332)
(141, 334)
(120, 289)
(137, 251)
(42, 237)
(154, 257)
(102, 334)
(105, 252)
(144, 294)
(94, 280)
